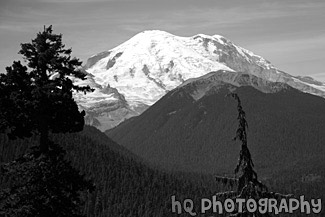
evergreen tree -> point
(245, 162)
(248, 185)
(37, 98)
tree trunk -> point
(44, 136)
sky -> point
(288, 33)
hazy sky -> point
(289, 33)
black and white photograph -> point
(162, 108)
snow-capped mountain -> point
(134, 75)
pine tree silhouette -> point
(37, 98)
(248, 185)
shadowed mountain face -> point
(191, 128)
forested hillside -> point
(126, 186)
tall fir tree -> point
(248, 185)
(37, 98)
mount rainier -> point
(134, 75)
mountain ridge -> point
(189, 133)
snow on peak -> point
(153, 62)
(144, 68)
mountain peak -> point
(144, 68)
(150, 35)
(155, 32)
